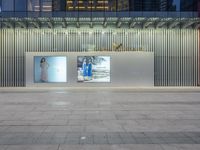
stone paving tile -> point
(110, 147)
(100, 117)
(133, 147)
(144, 140)
(173, 135)
(15, 129)
(3, 147)
(153, 134)
(181, 147)
(3, 128)
(95, 138)
(21, 141)
(188, 146)
(72, 141)
(170, 147)
(78, 147)
(86, 140)
(192, 134)
(32, 147)
(178, 140)
(129, 141)
(196, 140)
(100, 138)
(139, 135)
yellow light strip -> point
(47, 6)
(101, 7)
(81, 7)
(102, 1)
(70, 7)
(91, 7)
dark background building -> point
(189, 5)
(59, 5)
(167, 5)
(99, 5)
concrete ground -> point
(99, 119)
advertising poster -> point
(48, 69)
(93, 68)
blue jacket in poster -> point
(89, 70)
(84, 67)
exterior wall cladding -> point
(169, 28)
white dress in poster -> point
(48, 69)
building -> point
(145, 5)
(59, 5)
(189, 5)
(121, 29)
(167, 5)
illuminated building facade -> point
(168, 28)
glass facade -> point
(20, 5)
(189, 5)
(33, 5)
(0, 6)
(145, 5)
(170, 5)
(58, 5)
(99, 5)
(46, 5)
(7, 5)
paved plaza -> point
(99, 119)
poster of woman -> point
(48, 69)
(44, 70)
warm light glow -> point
(69, 2)
(101, 7)
(81, 7)
(91, 4)
(91, 7)
(102, 1)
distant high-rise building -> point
(151, 5)
(189, 5)
(122, 5)
(167, 5)
(46, 5)
(135, 5)
(33, 5)
(0, 5)
(59, 5)
(144, 5)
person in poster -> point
(44, 70)
(84, 68)
(90, 69)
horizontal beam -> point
(104, 22)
